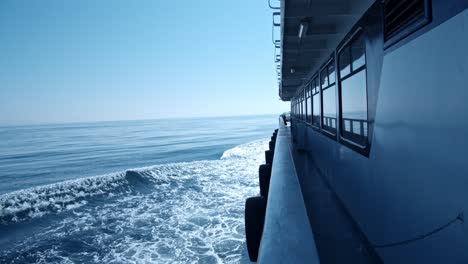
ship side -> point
(372, 166)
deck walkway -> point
(337, 237)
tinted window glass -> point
(344, 61)
(299, 111)
(331, 73)
(329, 109)
(309, 105)
(316, 106)
(358, 52)
(304, 109)
(295, 107)
(324, 78)
(354, 108)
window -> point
(354, 119)
(300, 106)
(327, 75)
(315, 102)
(299, 111)
(309, 103)
(304, 106)
(297, 108)
(292, 108)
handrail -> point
(271, 6)
(276, 42)
(277, 58)
(287, 234)
(275, 14)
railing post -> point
(362, 127)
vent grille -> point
(403, 16)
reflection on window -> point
(331, 73)
(354, 96)
(297, 109)
(329, 100)
(304, 108)
(293, 109)
(329, 109)
(309, 104)
(345, 58)
(358, 53)
(354, 93)
(316, 103)
(300, 108)
(324, 78)
(316, 117)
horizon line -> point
(125, 120)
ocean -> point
(152, 191)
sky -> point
(101, 60)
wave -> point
(72, 194)
(250, 150)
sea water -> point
(153, 191)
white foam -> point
(193, 213)
(248, 150)
(36, 201)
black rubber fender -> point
(271, 145)
(264, 176)
(255, 209)
(269, 157)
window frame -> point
(309, 102)
(363, 149)
(315, 79)
(304, 105)
(299, 106)
(325, 67)
(292, 108)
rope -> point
(459, 217)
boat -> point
(372, 166)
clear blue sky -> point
(93, 60)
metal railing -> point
(272, 6)
(352, 129)
(276, 40)
(329, 122)
(350, 125)
(355, 126)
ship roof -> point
(326, 21)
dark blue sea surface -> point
(153, 191)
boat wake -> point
(178, 212)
